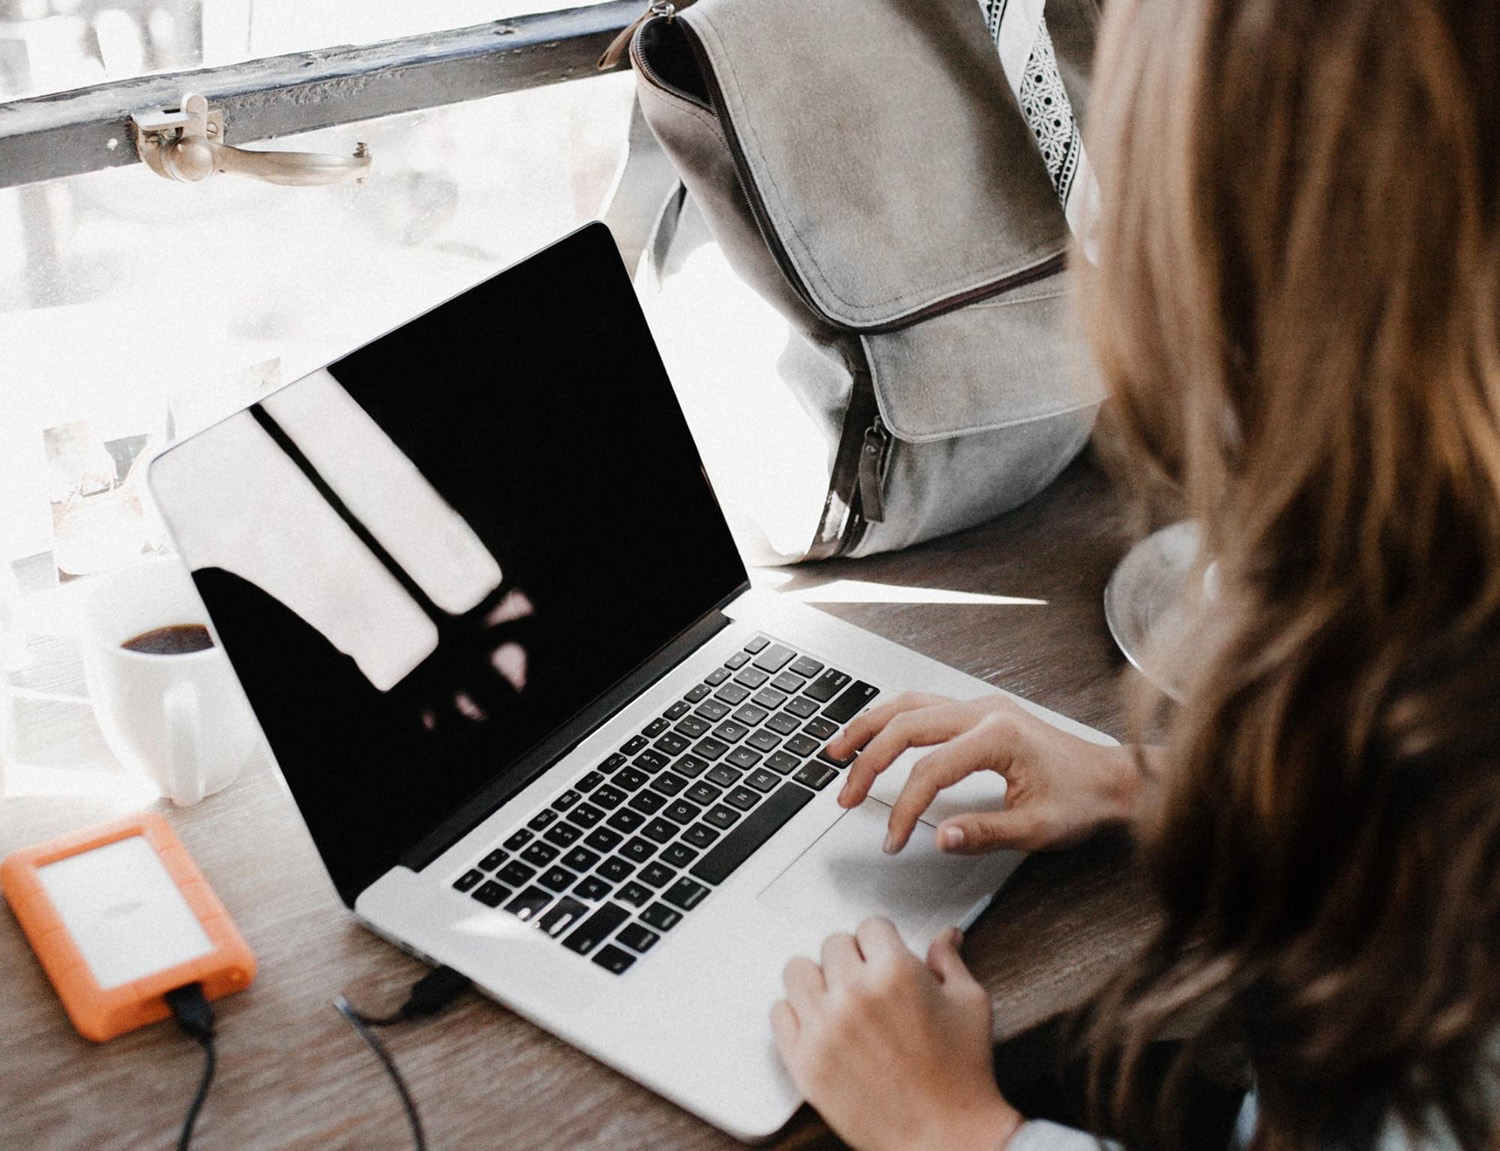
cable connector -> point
(195, 1015)
(428, 996)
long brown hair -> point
(1297, 306)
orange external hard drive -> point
(119, 915)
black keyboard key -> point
(685, 894)
(519, 840)
(539, 854)
(564, 835)
(651, 761)
(787, 682)
(656, 874)
(563, 916)
(702, 792)
(603, 839)
(468, 879)
(680, 811)
(697, 693)
(678, 855)
(763, 740)
(671, 744)
(613, 960)
(613, 763)
(848, 705)
(700, 835)
(494, 859)
(638, 850)
(732, 694)
(528, 903)
(750, 715)
(557, 879)
(806, 665)
(592, 888)
(840, 762)
(590, 781)
(783, 724)
(801, 707)
(820, 728)
(750, 677)
(637, 938)
(723, 775)
(722, 817)
(803, 745)
(635, 894)
(690, 766)
(585, 815)
(761, 779)
(710, 748)
(712, 710)
(677, 710)
(738, 660)
(759, 826)
(515, 873)
(541, 819)
(756, 644)
(730, 731)
(655, 727)
(626, 820)
(769, 698)
(816, 775)
(566, 800)
(630, 778)
(648, 802)
(633, 745)
(743, 757)
(580, 859)
(691, 726)
(782, 763)
(492, 894)
(774, 658)
(743, 798)
(615, 869)
(596, 929)
(716, 677)
(827, 685)
(668, 783)
(660, 916)
(659, 830)
(608, 797)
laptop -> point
(476, 587)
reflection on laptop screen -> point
(425, 558)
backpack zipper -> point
(872, 458)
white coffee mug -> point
(179, 719)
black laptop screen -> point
(426, 559)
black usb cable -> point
(195, 1016)
(429, 995)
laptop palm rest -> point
(844, 877)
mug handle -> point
(184, 771)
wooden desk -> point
(293, 1075)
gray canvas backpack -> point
(865, 167)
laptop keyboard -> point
(619, 858)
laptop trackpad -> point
(844, 877)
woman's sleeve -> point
(1039, 1135)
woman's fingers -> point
(841, 958)
(943, 958)
(880, 942)
(786, 1027)
(983, 831)
(865, 725)
(921, 726)
(975, 750)
(803, 980)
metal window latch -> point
(187, 144)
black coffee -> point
(176, 639)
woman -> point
(1297, 305)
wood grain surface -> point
(293, 1075)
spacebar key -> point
(736, 847)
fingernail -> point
(953, 838)
(844, 796)
(889, 847)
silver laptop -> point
(479, 594)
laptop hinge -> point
(519, 775)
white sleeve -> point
(1039, 1135)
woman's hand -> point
(1059, 789)
(893, 1052)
